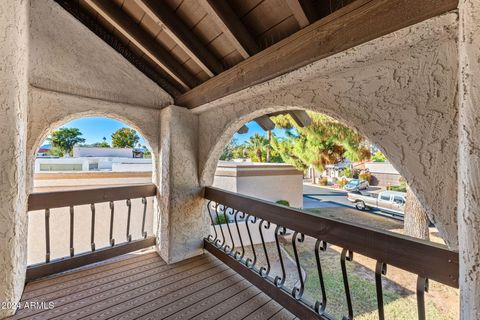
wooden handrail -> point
(59, 199)
(426, 259)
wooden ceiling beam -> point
(243, 130)
(299, 13)
(140, 38)
(352, 25)
(301, 118)
(229, 23)
(176, 29)
(265, 123)
(139, 62)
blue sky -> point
(253, 128)
(94, 129)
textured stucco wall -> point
(183, 222)
(66, 56)
(13, 113)
(398, 90)
(469, 159)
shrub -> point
(379, 157)
(283, 203)
(397, 188)
(221, 219)
(342, 182)
(347, 172)
(323, 181)
(402, 186)
(365, 176)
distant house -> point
(97, 159)
(43, 150)
(384, 174)
(138, 153)
(82, 152)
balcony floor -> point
(142, 286)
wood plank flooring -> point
(142, 286)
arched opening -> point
(92, 181)
(341, 175)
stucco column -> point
(182, 222)
(469, 159)
(13, 107)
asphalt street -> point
(318, 197)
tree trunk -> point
(259, 155)
(269, 138)
(416, 220)
(313, 175)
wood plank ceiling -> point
(196, 49)
(187, 42)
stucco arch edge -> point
(399, 91)
(48, 110)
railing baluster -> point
(219, 242)
(129, 206)
(280, 280)
(47, 235)
(250, 263)
(347, 255)
(272, 278)
(320, 306)
(297, 292)
(92, 227)
(210, 237)
(144, 202)
(112, 217)
(72, 221)
(380, 269)
(422, 287)
(239, 255)
(228, 250)
(264, 271)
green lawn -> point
(399, 303)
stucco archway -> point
(397, 91)
(50, 110)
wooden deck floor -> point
(143, 286)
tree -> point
(103, 144)
(415, 218)
(64, 139)
(324, 141)
(379, 157)
(229, 150)
(147, 153)
(269, 145)
(258, 144)
(125, 138)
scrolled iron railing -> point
(47, 201)
(424, 259)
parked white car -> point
(389, 201)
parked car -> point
(389, 201)
(356, 185)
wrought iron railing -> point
(229, 243)
(46, 201)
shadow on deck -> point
(141, 285)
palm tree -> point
(269, 145)
(258, 144)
